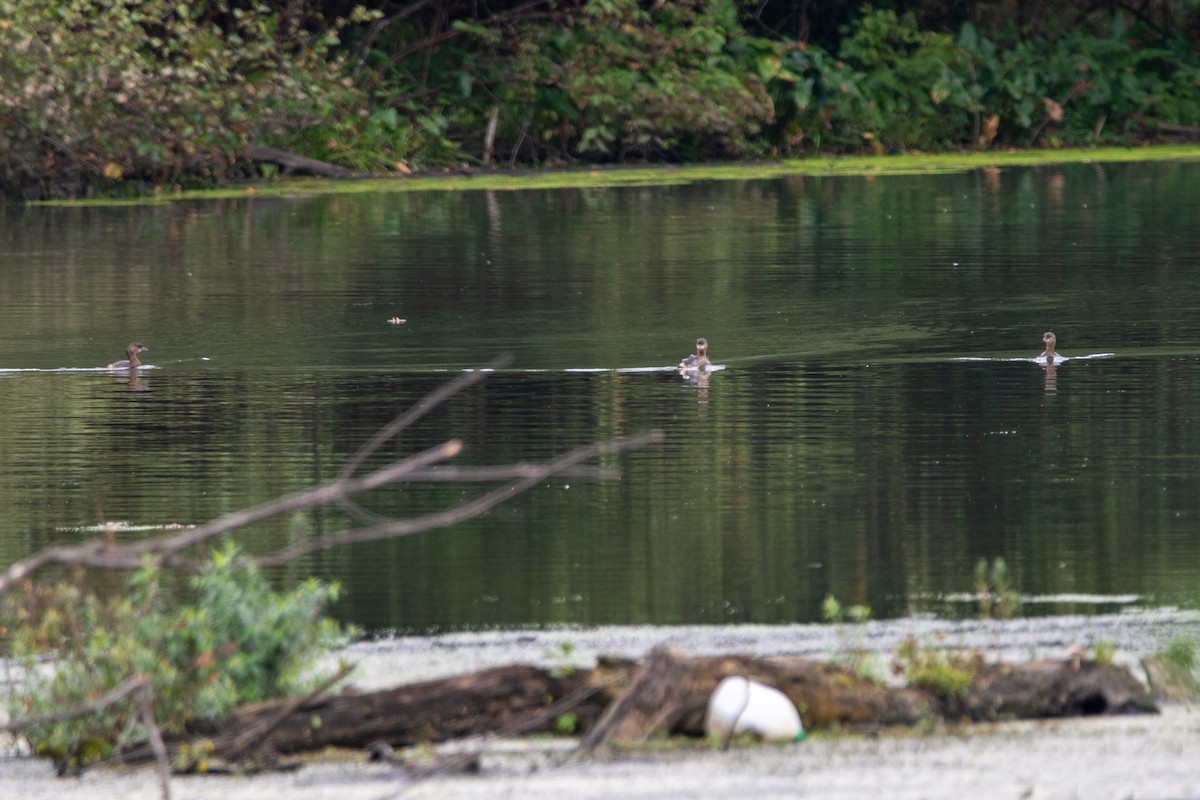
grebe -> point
(1049, 340)
(698, 361)
(131, 351)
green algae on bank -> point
(618, 176)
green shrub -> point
(997, 600)
(910, 80)
(237, 641)
(946, 675)
(1182, 651)
(1106, 653)
(1082, 88)
(93, 92)
(619, 79)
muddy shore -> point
(1151, 756)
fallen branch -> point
(165, 549)
(1190, 131)
(473, 508)
(169, 550)
(294, 162)
(253, 737)
(172, 550)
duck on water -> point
(1049, 356)
(1049, 340)
(131, 359)
(699, 360)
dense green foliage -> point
(236, 641)
(93, 93)
(151, 90)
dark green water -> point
(843, 450)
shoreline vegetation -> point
(125, 99)
(615, 176)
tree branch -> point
(167, 550)
(452, 516)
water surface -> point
(846, 448)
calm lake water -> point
(845, 449)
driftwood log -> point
(1186, 131)
(294, 162)
(665, 693)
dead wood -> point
(1170, 681)
(661, 691)
(669, 694)
(1046, 689)
(294, 162)
(1188, 131)
(502, 700)
(665, 694)
(174, 550)
(505, 701)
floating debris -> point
(119, 526)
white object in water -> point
(740, 705)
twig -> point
(146, 700)
(166, 550)
(260, 730)
(118, 694)
(131, 555)
(563, 705)
(459, 513)
(419, 409)
(506, 472)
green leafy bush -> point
(112, 95)
(910, 82)
(945, 674)
(96, 91)
(1082, 88)
(616, 79)
(237, 641)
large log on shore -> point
(670, 693)
(666, 693)
(515, 697)
(1045, 689)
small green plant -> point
(947, 675)
(1105, 653)
(852, 652)
(833, 612)
(831, 609)
(1182, 651)
(997, 600)
(566, 724)
(858, 614)
(232, 641)
(561, 657)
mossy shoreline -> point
(658, 175)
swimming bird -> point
(698, 361)
(1049, 340)
(132, 360)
